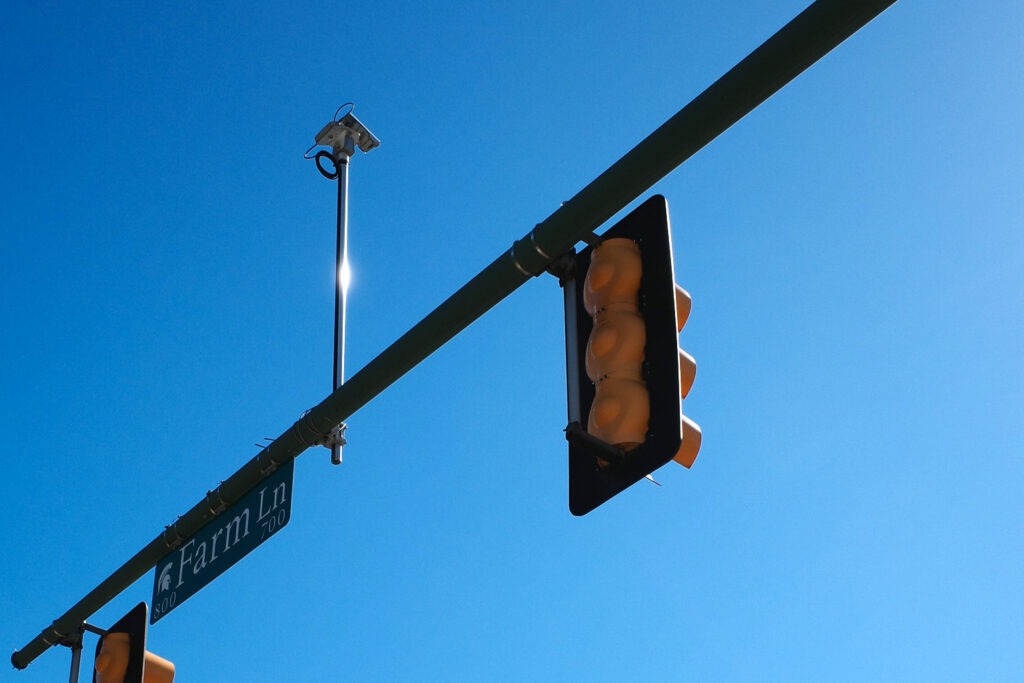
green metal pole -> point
(804, 40)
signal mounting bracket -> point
(336, 437)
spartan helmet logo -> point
(164, 582)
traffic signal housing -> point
(121, 655)
(626, 374)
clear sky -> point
(854, 249)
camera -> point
(336, 135)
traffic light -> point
(121, 655)
(626, 374)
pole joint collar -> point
(529, 257)
(51, 636)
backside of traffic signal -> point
(626, 374)
(121, 655)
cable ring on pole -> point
(330, 175)
(351, 109)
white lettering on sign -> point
(281, 489)
(194, 554)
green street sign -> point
(225, 540)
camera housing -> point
(346, 134)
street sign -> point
(225, 540)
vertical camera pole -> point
(341, 280)
(342, 135)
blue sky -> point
(854, 252)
